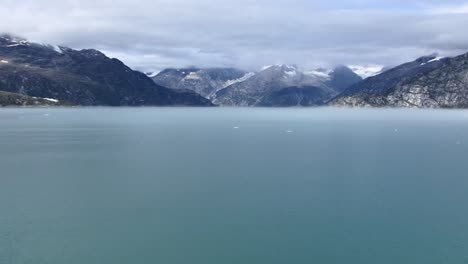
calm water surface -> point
(233, 186)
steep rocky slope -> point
(81, 77)
(428, 82)
(280, 85)
(205, 82)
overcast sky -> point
(155, 34)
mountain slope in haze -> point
(265, 88)
(428, 82)
(294, 96)
(205, 82)
(80, 77)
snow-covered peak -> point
(283, 67)
(367, 70)
(9, 41)
(12, 41)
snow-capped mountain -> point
(265, 87)
(205, 82)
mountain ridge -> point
(264, 88)
(81, 77)
(427, 82)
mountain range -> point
(40, 74)
(276, 85)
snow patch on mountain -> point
(57, 49)
(436, 59)
(433, 60)
(152, 74)
(47, 99)
(51, 100)
(192, 76)
(243, 78)
(290, 73)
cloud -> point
(458, 9)
(150, 35)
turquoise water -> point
(222, 186)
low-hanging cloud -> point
(151, 35)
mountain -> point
(13, 99)
(80, 77)
(280, 85)
(342, 78)
(428, 82)
(205, 82)
(294, 96)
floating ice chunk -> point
(4, 61)
(289, 131)
(236, 127)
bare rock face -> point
(80, 77)
(205, 82)
(429, 82)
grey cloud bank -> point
(151, 35)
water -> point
(222, 186)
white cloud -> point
(459, 9)
(154, 34)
